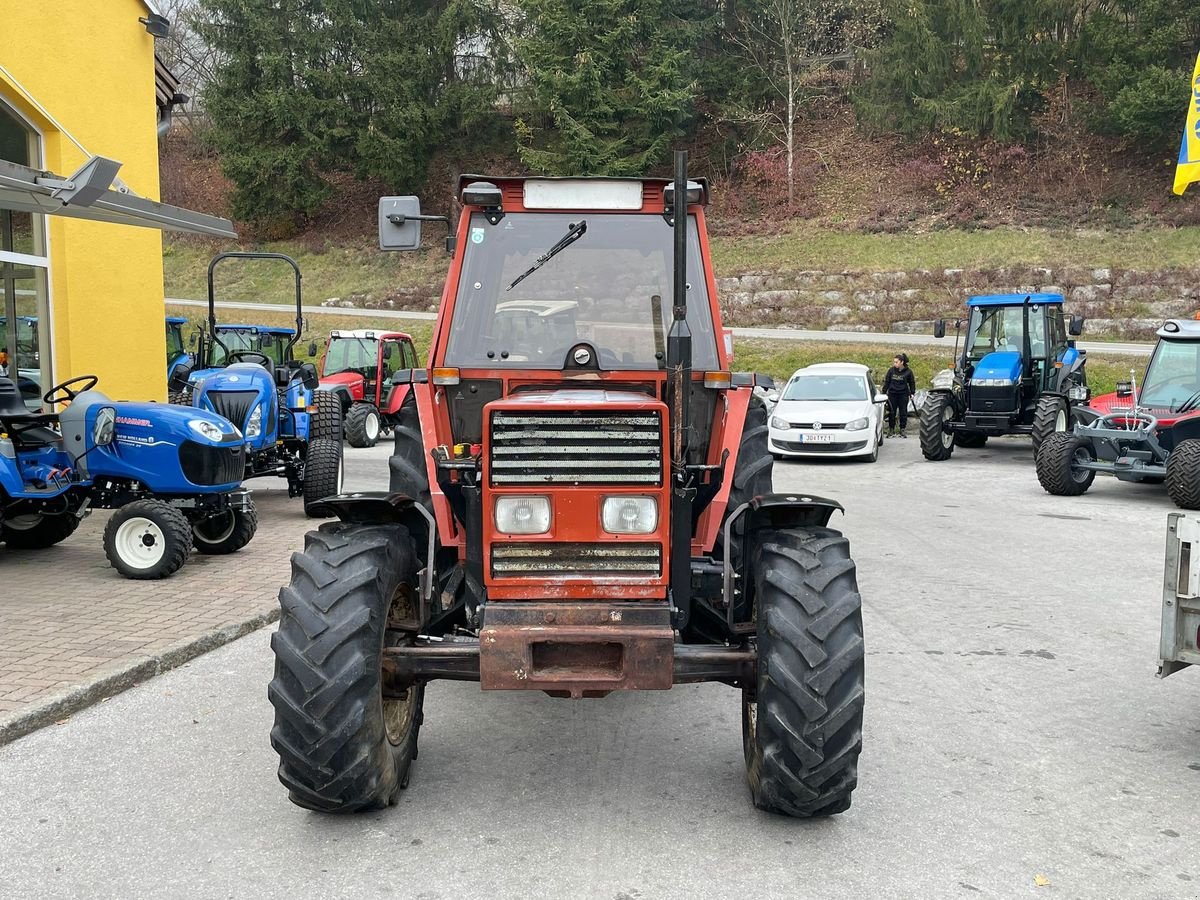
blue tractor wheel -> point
(147, 539)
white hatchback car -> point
(828, 409)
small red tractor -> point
(358, 367)
(580, 502)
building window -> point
(24, 269)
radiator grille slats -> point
(555, 560)
(553, 447)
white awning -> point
(88, 195)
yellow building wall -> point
(90, 66)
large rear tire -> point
(362, 425)
(37, 532)
(147, 539)
(1183, 474)
(323, 472)
(1051, 416)
(937, 443)
(343, 747)
(1057, 464)
(802, 726)
(408, 474)
(225, 533)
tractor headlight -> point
(1078, 392)
(105, 428)
(206, 429)
(943, 380)
(254, 426)
(858, 424)
(629, 515)
(522, 515)
(993, 382)
(777, 422)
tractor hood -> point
(1003, 365)
(349, 379)
(163, 421)
(236, 377)
(576, 397)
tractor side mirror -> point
(105, 428)
(939, 328)
(1124, 389)
(309, 377)
(194, 339)
(1075, 326)
(399, 223)
(389, 350)
(179, 378)
(312, 348)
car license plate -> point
(816, 438)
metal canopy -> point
(88, 195)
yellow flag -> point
(1187, 170)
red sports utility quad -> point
(358, 367)
(580, 502)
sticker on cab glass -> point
(476, 235)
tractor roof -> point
(367, 334)
(1013, 299)
(600, 194)
(1180, 330)
(260, 329)
(176, 320)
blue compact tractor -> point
(173, 476)
(177, 355)
(249, 375)
(1019, 373)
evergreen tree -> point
(608, 89)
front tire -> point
(1057, 464)
(1183, 474)
(406, 467)
(326, 422)
(227, 532)
(1051, 416)
(323, 472)
(802, 726)
(342, 746)
(937, 442)
(362, 425)
(37, 532)
(147, 539)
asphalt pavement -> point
(1016, 742)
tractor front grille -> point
(566, 447)
(553, 560)
(207, 465)
(233, 405)
(990, 399)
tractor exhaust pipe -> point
(679, 393)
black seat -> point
(12, 404)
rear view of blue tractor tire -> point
(250, 376)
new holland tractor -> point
(579, 517)
(177, 354)
(249, 375)
(357, 367)
(173, 476)
(1019, 373)
(1143, 434)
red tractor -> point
(358, 366)
(580, 503)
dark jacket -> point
(899, 381)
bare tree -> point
(185, 53)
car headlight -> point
(206, 429)
(943, 380)
(254, 426)
(522, 515)
(629, 515)
(777, 422)
(993, 382)
(858, 424)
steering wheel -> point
(250, 356)
(68, 392)
(1149, 422)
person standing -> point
(899, 385)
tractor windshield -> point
(174, 341)
(1173, 376)
(826, 387)
(600, 288)
(271, 345)
(351, 355)
(997, 329)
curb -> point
(55, 707)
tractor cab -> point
(1170, 388)
(1019, 373)
(177, 354)
(272, 342)
(358, 367)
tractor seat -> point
(26, 428)
(12, 405)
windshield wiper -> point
(574, 233)
(1189, 404)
